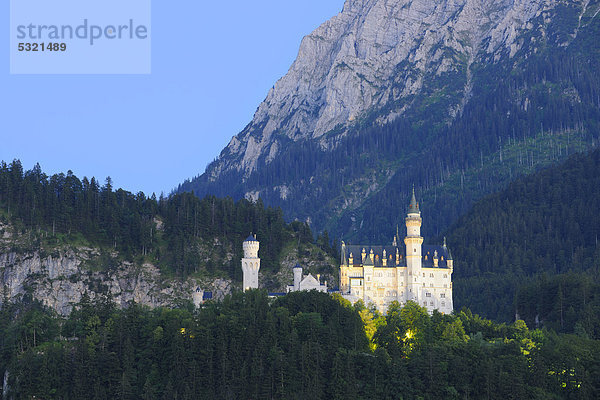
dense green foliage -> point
(547, 223)
(182, 233)
(524, 112)
(564, 303)
(302, 346)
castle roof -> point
(413, 208)
(445, 246)
(297, 266)
(443, 254)
(428, 253)
(356, 251)
(250, 239)
(309, 281)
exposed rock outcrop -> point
(60, 280)
(372, 54)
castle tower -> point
(413, 242)
(250, 263)
(449, 261)
(297, 277)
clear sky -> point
(212, 64)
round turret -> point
(197, 296)
(250, 263)
(251, 246)
(297, 277)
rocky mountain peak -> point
(444, 94)
(372, 54)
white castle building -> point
(251, 266)
(250, 263)
(307, 282)
(378, 275)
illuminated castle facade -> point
(378, 275)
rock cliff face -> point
(376, 53)
(60, 280)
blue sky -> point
(212, 64)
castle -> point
(378, 275)
(250, 263)
(307, 282)
(251, 266)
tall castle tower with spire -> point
(414, 244)
(378, 275)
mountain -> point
(533, 249)
(458, 97)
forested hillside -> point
(537, 244)
(302, 346)
(183, 234)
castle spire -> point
(413, 208)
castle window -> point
(431, 303)
(423, 274)
(425, 303)
(445, 285)
(428, 295)
(443, 304)
(445, 276)
(431, 285)
(423, 284)
(443, 295)
(431, 275)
